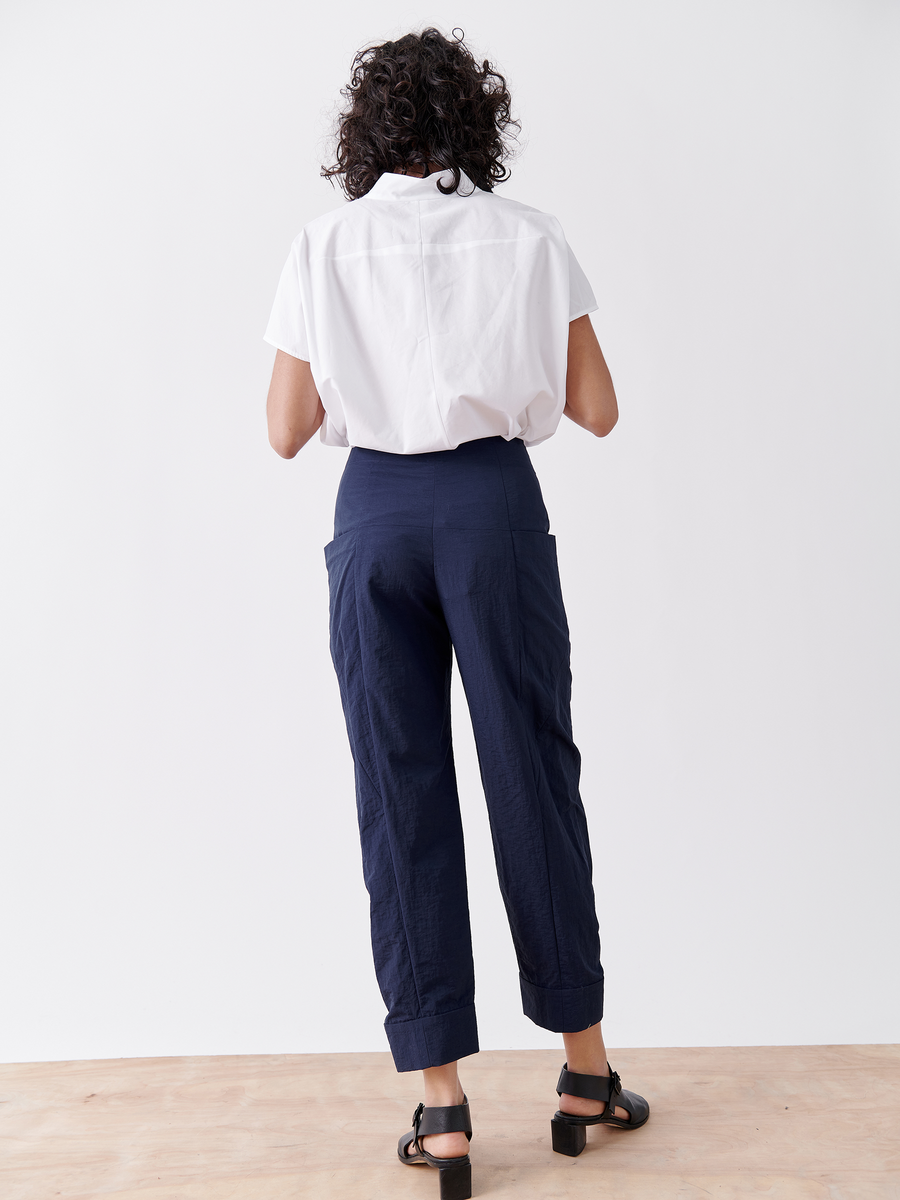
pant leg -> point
(500, 593)
(392, 654)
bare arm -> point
(293, 409)
(590, 395)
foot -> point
(443, 1090)
(577, 1106)
(445, 1145)
(586, 1055)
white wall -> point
(180, 865)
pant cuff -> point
(563, 1010)
(433, 1041)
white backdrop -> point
(180, 866)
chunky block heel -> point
(567, 1139)
(456, 1181)
(454, 1174)
(569, 1132)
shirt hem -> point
(284, 349)
(583, 312)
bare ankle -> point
(585, 1051)
(442, 1086)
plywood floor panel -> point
(786, 1123)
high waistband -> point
(487, 483)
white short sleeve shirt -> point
(430, 320)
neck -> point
(417, 170)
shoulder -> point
(525, 216)
(509, 204)
(320, 233)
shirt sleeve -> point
(287, 326)
(581, 298)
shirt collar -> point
(393, 186)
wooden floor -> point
(785, 1123)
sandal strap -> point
(454, 1118)
(589, 1087)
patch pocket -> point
(544, 629)
(339, 563)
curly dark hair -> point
(419, 100)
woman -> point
(439, 330)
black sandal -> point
(569, 1132)
(455, 1173)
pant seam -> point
(521, 640)
(512, 545)
(380, 790)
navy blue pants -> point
(435, 553)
